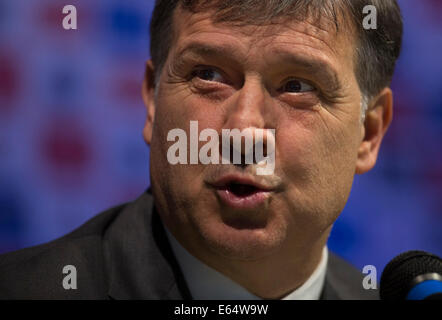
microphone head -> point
(399, 274)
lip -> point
(248, 202)
(242, 202)
(232, 178)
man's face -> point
(295, 77)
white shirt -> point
(205, 283)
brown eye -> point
(208, 74)
(297, 86)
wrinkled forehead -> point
(333, 34)
(264, 12)
(333, 29)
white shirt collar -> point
(206, 283)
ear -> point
(377, 121)
(148, 93)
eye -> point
(208, 74)
(296, 86)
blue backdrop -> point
(71, 117)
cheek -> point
(169, 115)
(178, 106)
(175, 109)
(318, 162)
(297, 151)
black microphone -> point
(412, 275)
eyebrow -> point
(224, 51)
(318, 67)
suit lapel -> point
(329, 292)
(344, 282)
(139, 260)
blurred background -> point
(71, 119)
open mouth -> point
(242, 190)
(242, 195)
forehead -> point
(319, 36)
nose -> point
(249, 107)
(245, 114)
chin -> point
(236, 242)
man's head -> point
(376, 51)
(302, 68)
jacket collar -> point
(139, 260)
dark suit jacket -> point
(124, 253)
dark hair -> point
(376, 50)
